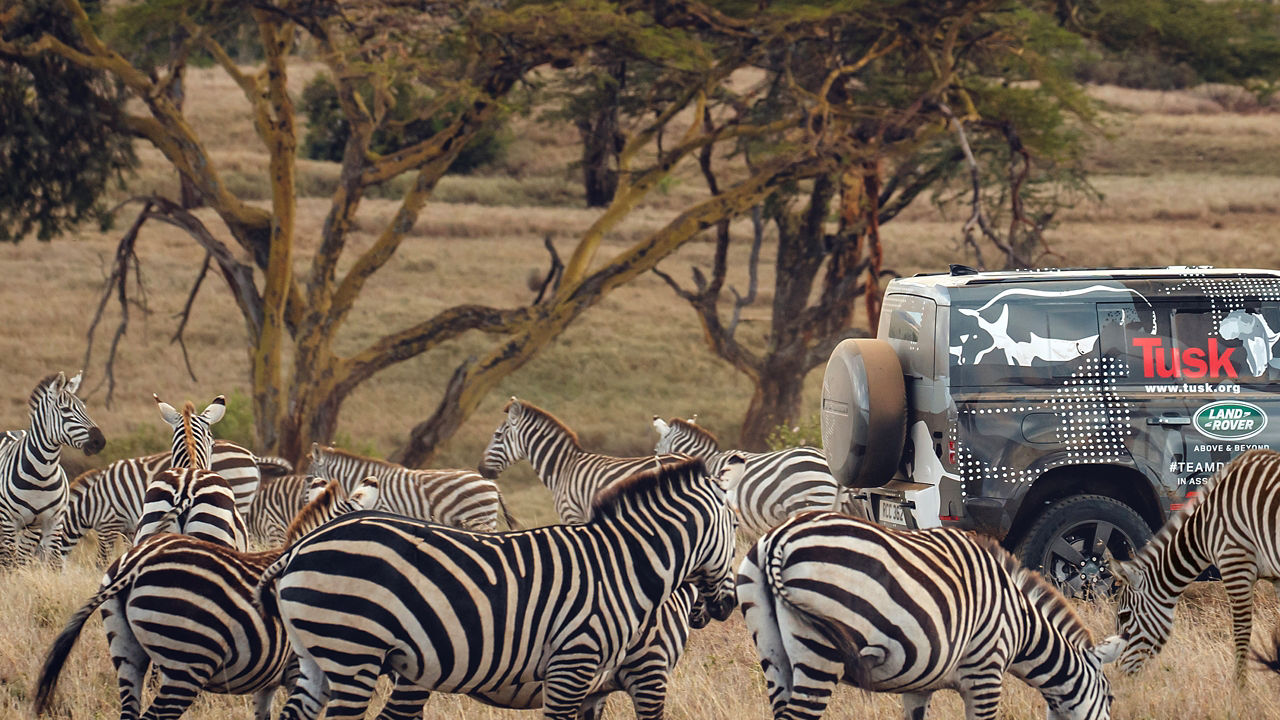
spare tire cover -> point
(864, 412)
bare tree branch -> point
(117, 284)
(554, 273)
(185, 315)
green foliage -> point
(143, 439)
(808, 432)
(61, 144)
(327, 128)
(237, 424)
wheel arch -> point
(1118, 482)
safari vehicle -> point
(1065, 412)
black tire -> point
(1067, 543)
(864, 413)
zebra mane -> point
(83, 478)
(329, 449)
(306, 519)
(1147, 554)
(1043, 595)
(694, 429)
(645, 481)
(547, 418)
(40, 388)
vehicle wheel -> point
(864, 413)
(1069, 541)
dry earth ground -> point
(1184, 182)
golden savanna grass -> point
(1186, 178)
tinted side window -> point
(1021, 342)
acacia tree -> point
(883, 82)
(471, 55)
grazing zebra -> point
(461, 612)
(109, 499)
(573, 475)
(458, 498)
(1233, 523)
(187, 606)
(199, 500)
(775, 485)
(828, 598)
(33, 485)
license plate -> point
(891, 512)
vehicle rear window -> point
(907, 323)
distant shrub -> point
(327, 129)
(1140, 70)
(807, 431)
(237, 425)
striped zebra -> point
(188, 493)
(186, 606)
(33, 485)
(573, 475)
(108, 500)
(775, 485)
(828, 598)
(278, 499)
(458, 498)
(1233, 522)
(461, 612)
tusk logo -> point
(1230, 420)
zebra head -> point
(715, 577)
(1143, 621)
(192, 433)
(684, 437)
(1089, 697)
(62, 417)
(507, 444)
(319, 466)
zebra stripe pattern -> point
(1233, 523)
(278, 499)
(829, 597)
(186, 606)
(197, 500)
(573, 475)
(461, 612)
(109, 500)
(458, 498)
(774, 486)
(33, 485)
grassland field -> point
(1186, 178)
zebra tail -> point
(512, 522)
(264, 595)
(273, 465)
(57, 657)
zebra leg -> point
(406, 701)
(262, 703)
(1238, 578)
(647, 686)
(817, 666)
(980, 690)
(568, 676)
(8, 542)
(128, 657)
(915, 705)
(178, 689)
(351, 688)
(308, 695)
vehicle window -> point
(907, 323)
(1021, 342)
(1191, 347)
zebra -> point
(33, 485)
(278, 499)
(775, 485)
(463, 612)
(186, 605)
(573, 475)
(200, 501)
(460, 498)
(828, 597)
(109, 499)
(1233, 522)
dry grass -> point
(1185, 182)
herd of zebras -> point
(424, 588)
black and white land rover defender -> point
(1065, 412)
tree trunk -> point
(600, 143)
(776, 402)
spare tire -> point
(864, 412)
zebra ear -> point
(216, 410)
(74, 383)
(661, 426)
(514, 409)
(315, 486)
(732, 471)
(1124, 572)
(367, 493)
(171, 416)
(56, 386)
(1108, 650)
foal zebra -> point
(459, 498)
(200, 501)
(774, 486)
(187, 606)
(1233, 523)
(33, 485)
(461, 612)
(573, 475)
(829, 597)
(109, 499)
